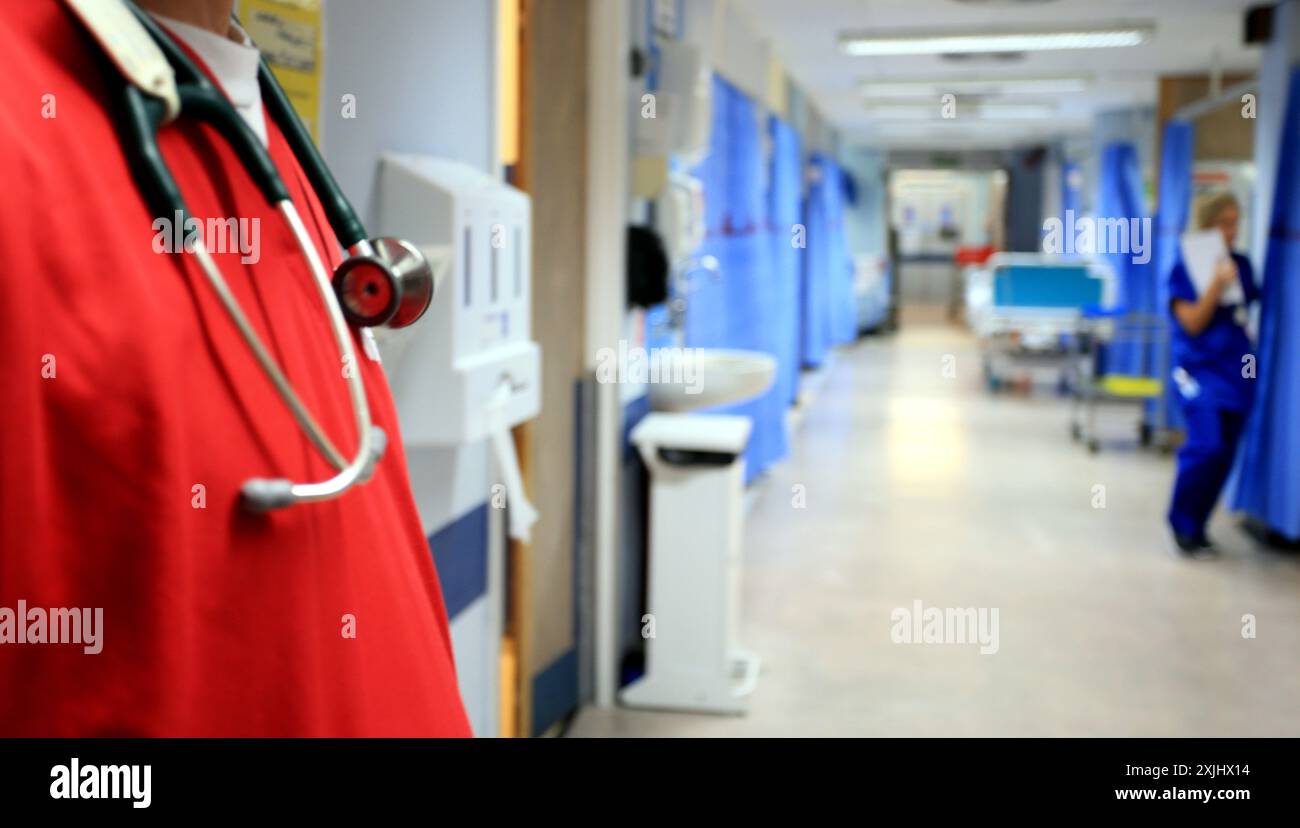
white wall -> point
(737, 52)
(866, 224)
(422, 72)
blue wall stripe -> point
(461, 556)
(555, 691)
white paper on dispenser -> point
(521, 515)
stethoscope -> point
(384, 282)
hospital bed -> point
(1028, 310)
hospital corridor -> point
(896, 399)
(1124, 641)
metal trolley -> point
(1095, 384)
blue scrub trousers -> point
(1204, 463)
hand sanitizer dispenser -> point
(469, 370)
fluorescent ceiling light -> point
(983, 112)
(1015, 112)
(957, 42)
(992, 87)
(903, 113)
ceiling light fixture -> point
(982, 112)
(959, 42)
(1016, 112)
(991, 87)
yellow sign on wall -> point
(289, 34)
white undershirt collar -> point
(234, 64)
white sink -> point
(710, 377)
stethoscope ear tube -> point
(208, 104)
(141, 117)
(343, 220)
(201, 99)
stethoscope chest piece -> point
(384, 282)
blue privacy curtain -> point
(741, 308)
(785, 207)
(707, 307)
(1071, 197)
(1120, 197)
(829, 305)
(1172, 209)
(753, 301)
(844, 320)
(815, 300)
(1268, 483)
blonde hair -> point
(1213, 205)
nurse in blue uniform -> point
(1214, 371)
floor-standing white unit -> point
(693, 657)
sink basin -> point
(712, 377)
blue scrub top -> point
(1213, 358)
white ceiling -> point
(804, 34)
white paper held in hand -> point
(1202, 251)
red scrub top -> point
(124, 387)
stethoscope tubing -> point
(142, 118)
(351, 471)
(350, 370)
(264, 358)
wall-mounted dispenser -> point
(470, 370)
(679, 215)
